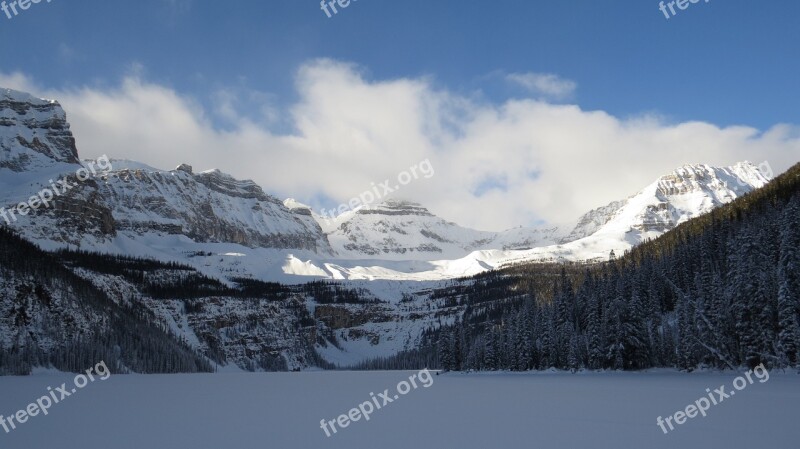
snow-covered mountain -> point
(230, 227)
(206, 207)
(131, 201)
(687, 192)
(231, 230)
(402, 240)
(404, 230)
(34, 133)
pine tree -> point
(445, 348)
(635, 340)
(594, 332)
(490, 361)
(789, 294)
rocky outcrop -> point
(407, 230)
(349, 316)
(593, 220)
(687, 192)
(33, 133)
(207, 207)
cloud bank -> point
(519, 162)
(547, 85)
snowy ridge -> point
(228, 227)
(404, 230)
(36, 144)
(34, 133)
(206, 207)
(686, 193)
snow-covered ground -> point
(498, 410)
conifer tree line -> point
(185, 282)
(721, 291)
(48, 307)
(122, 336)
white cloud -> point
(555, 161)
(546, 85)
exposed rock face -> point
(407, 230)
(253, 334)
(347, 316)
(85, 212)
(36, 145)
(593, 220)
(687, 192)
(397, 208)
(75, 217)
(298, 208)
(206, 207)
(33, 133)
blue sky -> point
(724, 63)
(727, 62)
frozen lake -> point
(504, 410)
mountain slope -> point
(51, 317)
(404, 230)
(233, 228)
(205, 207)
(687, 192)
(131, 201)
(34, 133)
(721, 290)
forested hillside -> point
(51, 317)
(721, 291)
(67, 308)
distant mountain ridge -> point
(399, 229)
(213, 308)
(687, 192)
(132, 201)
(179, 214)
(34, 133)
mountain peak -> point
(297, 207)
(687, 192)
(228, 185)
(186, 168)
(16, 96)
(394, 206)
(34, 133)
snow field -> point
(503, 410)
